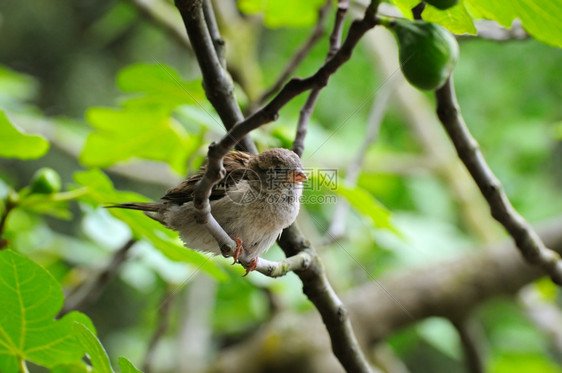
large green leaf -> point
(158, 85)
(92, 346)
(29, 299)
(14, 143)
(541, 19)
(165, 240)
(499, 10)
(283, 13)
(124, 134)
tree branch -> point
(300, 54)
(315, 283)
(217, 151)
(450, 288)
(308, 108)
(297, 262)
(317, 288)
(469, 337)
(88, 293)
(526, 239)
(217, 83)
(211, 21)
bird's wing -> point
(236, 165)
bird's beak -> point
(298, 176)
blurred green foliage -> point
(88, 85)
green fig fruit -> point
(427, 52)
(45, 181)
(442, 4)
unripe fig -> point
(442, 4)
(45, 181)
(427, 52)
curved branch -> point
(268, 113)
(300, 54)
(308, 108)
(451, 288)
(217, 83)
(526, 239)
(468, 332)
(335, 316)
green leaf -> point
(15, 87)
(367, 205)
(283, 13)
(512, 362)
(541, 19)
(124, 134)
(442, 335)
(165, 240)
(455, 19)
(92, 346)
(14, 143)
(498, 10)
(29, 299)
(405, 6)
(158, 85)
(127, 367)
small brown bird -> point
(254, 202)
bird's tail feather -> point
(150, 206)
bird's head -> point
(278, 168)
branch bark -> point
(300, 54)
(526, 239)
(315, 283)
(308, 108)
(192, 15)
(451, 289)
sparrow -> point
(258, 197)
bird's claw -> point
(251, 267)
(238, 250)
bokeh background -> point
(72, 69)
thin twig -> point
(163, 323)
(526, 239)
(211, 21)
(334, 314)
(217, 83)
(297, 262)
(300, 54)
(215, 170)
(88, 293)
(315, 284)
(467, 330)
(451, 289)
(308, 108)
